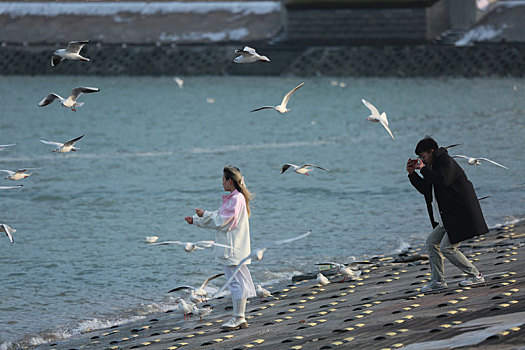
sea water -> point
(153, 152)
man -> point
(453, 208)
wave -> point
(511, 220)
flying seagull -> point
(303, 169)
(257, 255)
(2, 147)
(200, 291)
(452, 146)
(10, 187)
(8, 230)
(63, 147)
(376, 117)
(477, 161)
(71, 101)
(16, 175)
(248, 55)
(282, 107)
(191, 246)
(71, 52)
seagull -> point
(151, 239)
(257, 255)
(477, 161)
(10, 187)
(282, 107)
(202, 311)
(183, 307)
(200, 291)
(261, 292)
(192, 246)
(63, 147)
(248, 55)
(16, 175)
(348, 270)
(375, 117)
(179, 82)
(8, 230)
(71, 101)
(303, 169)
(322, 280)
(452, 146)
(2, 147)
(71, 52)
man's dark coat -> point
(457, 200)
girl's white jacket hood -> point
(232, 228)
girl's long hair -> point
(234, 174)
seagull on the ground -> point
(183, 307)
(16, 175)
(63, 147)
(179, 82)
(2, 147)
(261, 292)
(350, 270)
(202, 311)
(258, 254)
(192, 246)
(200, 291)
(322, 280)
(282, 107)
(376, 117)
(248, 55)
(71, 101)
(71, 52)
(303, 169)
(8, 230)
(477, 161)
(10, 187)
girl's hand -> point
(188, 219)
(199, 212)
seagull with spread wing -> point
(71, 101)
(477, 161)
(376, 117)
(190, 247)
(249, 55)
(10, 187)
(71, 52)
(8, 230)
(257, 255)
(63, 147)
(2, 147)
(303, 169)
(282, 107)
(200, 291)
(17, 175)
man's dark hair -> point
(426, 145)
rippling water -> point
(152, 152)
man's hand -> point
(188, 219)
(410, 166)
(199, 212)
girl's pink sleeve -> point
(233, 211)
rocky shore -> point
(383, 309)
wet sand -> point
(384, 309)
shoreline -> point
(371, 312)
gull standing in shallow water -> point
(16, 175)
(248, 55)
(8, 230)
(303, 169)
(257, 255)
(282, 107)
(63, 147)
(376, 117)
(71, 101)
(71, 52)
(192, 246)
(477, 161)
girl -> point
(232, 229)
